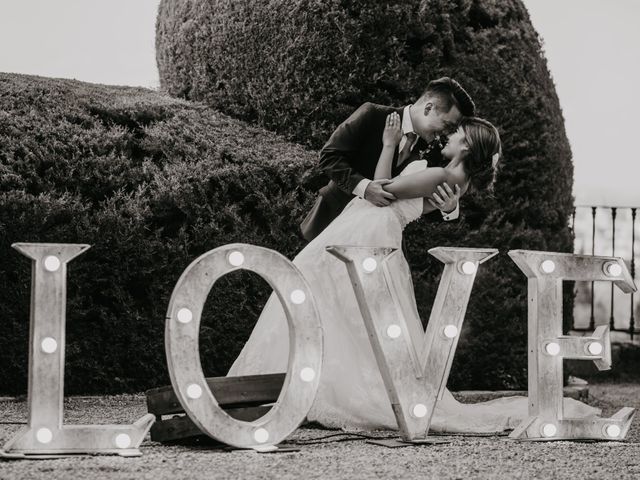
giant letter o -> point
(305, 339)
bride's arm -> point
(391, 137)
(383, 167)
(420, 184)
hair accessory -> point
(494, 159)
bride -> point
(351, 393)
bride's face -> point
(456, 145)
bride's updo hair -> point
(485, 149)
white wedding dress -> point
(351, 393)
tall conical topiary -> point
(302, 66)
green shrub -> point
(150, 182)
(300, 67)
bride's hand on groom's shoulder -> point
(392, 133)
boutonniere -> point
(436, 144)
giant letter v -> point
(414, 364)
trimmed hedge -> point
(150, 182)
(300, 67)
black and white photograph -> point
(319, 239)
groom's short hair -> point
(450, 93)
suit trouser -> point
(321, 215)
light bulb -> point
(123, 440)
(49, 345)
(194, 391)
(613, 269)
(595, 348)
(298, 297)
(394, 331)
(184, 315)
(548, 266)
(369, 264)
(468, 268)
(419, 410)
(236, 259)
(613, 431)
(549, 430)
(307, 374)
(450, 331)
(52, 263)
(552, 348)
(44, 435)
(261, 435)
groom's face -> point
(432, 121)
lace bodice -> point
(410, 209)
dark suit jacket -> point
(350, 155)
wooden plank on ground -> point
(182, 428)
(245, 391)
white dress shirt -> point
(407, 127)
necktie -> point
(406, 150)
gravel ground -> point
(465, 457)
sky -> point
(593, 52)
(592, 47)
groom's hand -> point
(375, 194)
(444, 199)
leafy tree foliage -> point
(151, 183)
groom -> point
(350, 156)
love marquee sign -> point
(413, 363)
